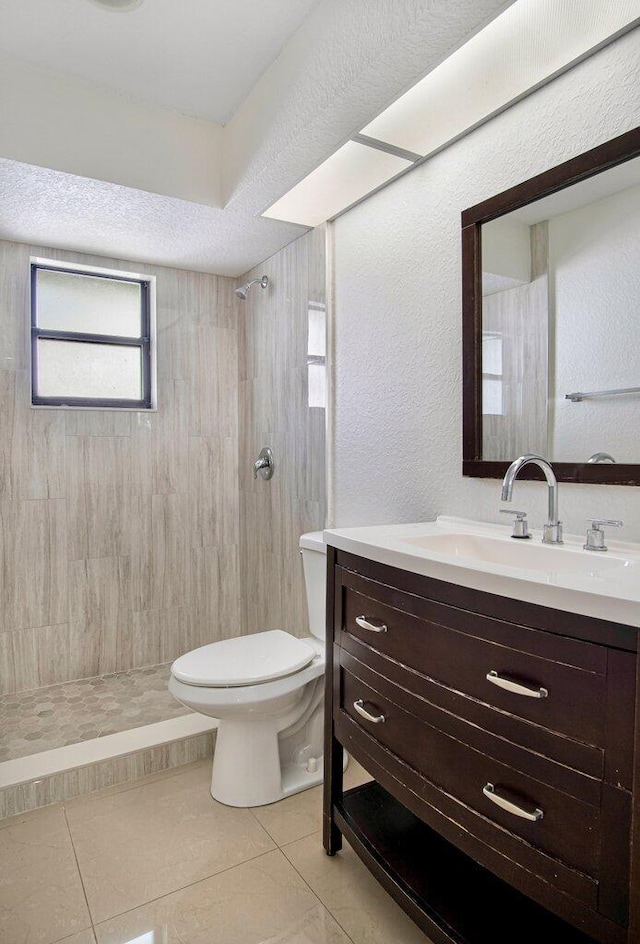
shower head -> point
(243, 291)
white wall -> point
(70, 125)
(594, 272)
(506, 254)
(397, 450)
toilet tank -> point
(314, 560)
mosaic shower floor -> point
(58, 715)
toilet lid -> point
(244, 660)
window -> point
(492, 379)
(317, 355)
(91, 337)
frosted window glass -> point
(317, 346)
(492, 404)
(86, 303)
(491, 354)
(81, 369)
(317, 385)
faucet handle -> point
(595, 534)
(520, 523)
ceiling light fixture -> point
(120, 6)
(523, 48)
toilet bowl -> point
(266, 690)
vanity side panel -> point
(613, 892)
(634, 905)
(332, 838)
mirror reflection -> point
(561, 324)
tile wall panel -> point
(130, 537)
(274, 411)
(119, 531)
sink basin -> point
(523, 554)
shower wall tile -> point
(215, 612)
(31, 443)
(31, 658)
(96, 422)
(213, 485)
(103, 504)
(33, 565)
(161, 564)
(213, 381)
(274, 411)
(159, 443)
(217, 302)
(100, 600)
(109, 519)
(14, 306)
(172, 346)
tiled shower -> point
(128, 538)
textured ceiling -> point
(198, 57)
(346, 61)
(49, 208)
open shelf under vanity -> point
(451, 897)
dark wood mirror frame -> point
(601, 158)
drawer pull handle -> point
(359, 706)
(374, 626)
(532, 815)
(516, 687)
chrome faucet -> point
(552, 530)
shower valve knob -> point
(264, 464)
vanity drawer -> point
(533, 675)
(505, 797)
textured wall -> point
(118, 530)
(275, 412)
(398, 449)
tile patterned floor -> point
(64, 714)
(157, 861)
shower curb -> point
(28, 783)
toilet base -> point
(294, 779)
(247, 770)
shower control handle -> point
(264, 464)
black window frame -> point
(143, 342)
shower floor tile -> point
(58, 715)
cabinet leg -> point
(331, 836)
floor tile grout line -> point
(77, 861)
(182, 888)
(69, 937)
(263, 827)
(313, 892)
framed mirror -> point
(551, 321)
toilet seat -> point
(244, 660)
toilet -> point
(266, 690)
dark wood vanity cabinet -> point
(500, 738)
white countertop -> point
(609, 587)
